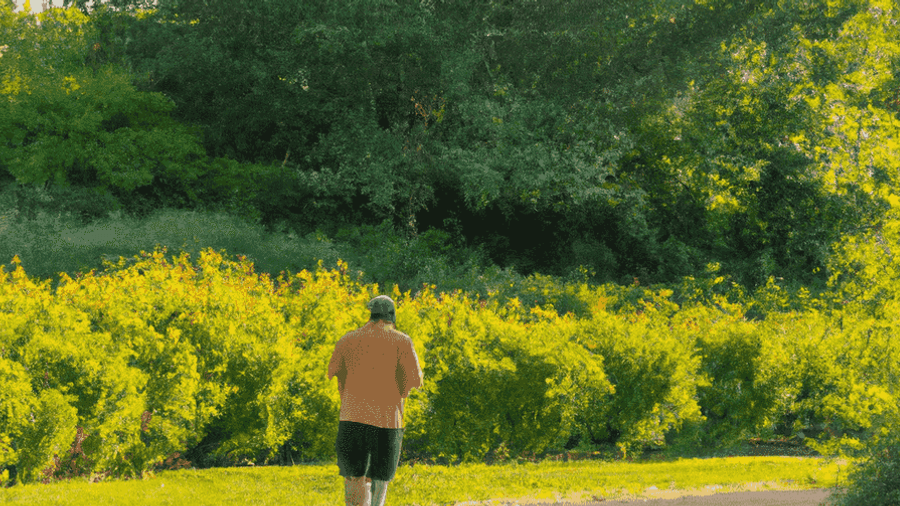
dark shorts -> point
(366, 450)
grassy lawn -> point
(424, 485)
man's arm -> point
(409, 375)
(337, 367)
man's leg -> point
(356, 491)
(379, 492)
(385, 461)
(353, 458)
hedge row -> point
(121, 372)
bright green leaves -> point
(857, 148)
(47, 433)
(185, 349)
(507, 375)
(100, 128)
(15, 400)
(836, 377)
(861, 141)
(748, 133)
(791, 148)
(87, 126)
(734, 361)
(58, 45)
(652, 377)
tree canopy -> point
(639, 139)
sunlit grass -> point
(422, 485)
(50, 244)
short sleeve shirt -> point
(376, 366)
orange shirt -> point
(376, 366)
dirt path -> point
(812, 497)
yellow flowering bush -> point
(743, 379)
(492, 375)
(652, 369)
(298, 409)
(157, 358)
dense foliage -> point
(744, 154)
(211, 361)
(639, 139)
(877, 480)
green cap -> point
(382, 306)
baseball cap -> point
(381, 305)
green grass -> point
(48, 244)
(51, 244)
(423, 485)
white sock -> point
(379, 492)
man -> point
(376, 366)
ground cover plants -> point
(424, 485)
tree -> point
(86, 126)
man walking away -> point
(376, 366)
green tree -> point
(87, 126)
(745, 148)
(642, 139)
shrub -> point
(744, 371)
(492, 378)
(83, 203)
(36, 420)
(95, 388)
(232, 187)
(876, 481)
(155, 356)
(839, 391)
(536, 290)
(292, 407)
(653, 372)
(16, 399)
(389, 257)
(49, 428)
